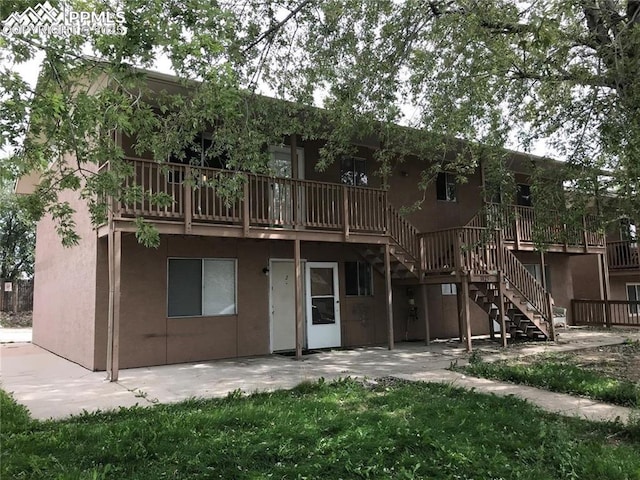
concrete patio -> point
(51, 386)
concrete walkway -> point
(53, 387)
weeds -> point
(320, 430)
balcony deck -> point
(278, 208)
(623, 256)
(266, 207)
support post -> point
(389, 291)
(460, 305)
(187, 192)
(585, 234)
(245, 208)
(501, 312)
(516, 219)
(466, 320)
(295, 174)
(113, 328)
(425, 314)
(299, 301)
(606, 289)
(552, 327)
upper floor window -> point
(524, 195)
(353, 171)
(203, 152)
(446, 187)
(628, 230)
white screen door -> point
(323, 309)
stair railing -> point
(525, 283)
(404, 233)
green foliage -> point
(324, 430)
(469, 77)
(17, 237)
(558, 374)
(14, 417)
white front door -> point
(283, 304)
(323, 309)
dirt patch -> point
(15, 320)
(621, 362)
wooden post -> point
(460, 305)
(246, 212)
(298, 300)
(585, 234)
(188, 197)
(425, 314)
(113, 327)
(466, 320)
(387, 278)
(15, 291)
(345, 211)
(606, 289)
(501, 312)
(516, 219)
(552, 327)
(295, 174)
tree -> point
(17, 238)
(469, 76)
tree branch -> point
(277, 26)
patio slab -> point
(51, 386)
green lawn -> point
(564, 373)
(321, 430)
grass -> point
(321, 430)
(560, 373)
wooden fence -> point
(606, 313)
(18, 297)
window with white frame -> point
(449, 289)
(633, 295)
(199, 287)
(358, 278)
(446, 187)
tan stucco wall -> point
(585, 274)
(148, 337)
(619, 284)
(65, 288)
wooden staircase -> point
(521, 319)
(474, 254)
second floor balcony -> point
(283, 208)
(623, 255)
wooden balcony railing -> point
(479, 251)
(404, 233)
(623, 255)
(606, 313)
(473, 249)
(518, 224)
(194, 194)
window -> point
(535, 270)
(353, 171)
(358, 278)
(203, 152)
(449, 289)
(633, 295)
(446, 187)
(201, 287)
(524, 195)
(627, 230)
